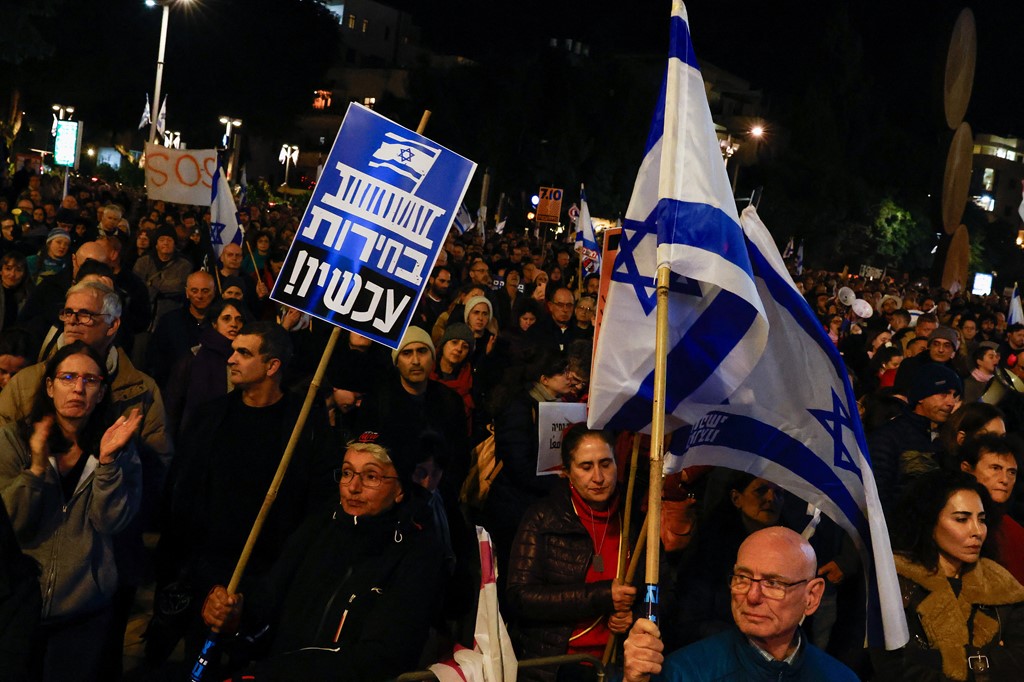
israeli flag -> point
(406, 157)
(146, 120)
(224, 227)
(463, 220)
(161, 119)
(778, 405)
(788, 251)
(800, 258)
(1016, 312)
(586, 241)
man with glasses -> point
(228, 458)
(354, 592)
(556, 331)
(480, 273)
(774, 587)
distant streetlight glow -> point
(757, 131)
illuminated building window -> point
(351, 21)
(988, 179)
(321, 99)
(366, 24)
(986, 202)
(369, 102)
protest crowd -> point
(148, 389)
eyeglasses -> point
(70, 379)
(586, 309)
(85, 318)
(771, 588)
(370, 479)
(563, 305)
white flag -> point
(224, 227)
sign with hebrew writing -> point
(374, 227)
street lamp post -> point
(166, 5)
(230, 124)
(289, 156)
(59, 112)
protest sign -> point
(180, 176)
(552, 420)
(373, 228)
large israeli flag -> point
(681, 213)
(224, 227)
(777, 404)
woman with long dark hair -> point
(963, 609)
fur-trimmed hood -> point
(944, 616)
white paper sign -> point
(552, 419)
(182, 176)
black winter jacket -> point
(372, 582)
(547, 586)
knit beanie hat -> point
(57, 233)
(459, 331)
(946, 333)
(413, 334)
(931, 378)
(474, 301)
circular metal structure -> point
(956, 181)
(957, 258)
(960, 61)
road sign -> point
(549, 209)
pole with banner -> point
(383, 168)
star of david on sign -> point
(215, 233)
(405, 155)
(833, 422)
(626, 270)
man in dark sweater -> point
(230, 456)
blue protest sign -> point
(374, 227)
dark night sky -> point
(902, 43)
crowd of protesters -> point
(149, 385)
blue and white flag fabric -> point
(161, 118)
(778, 405)
(1016, 313)
(800, 258)
(682, 213)
(405, 156)
(586, 240)
(463, 222)
(146, 120)
(243, 199)
(224, 227)
(788, 251)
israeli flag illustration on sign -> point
(374, 226)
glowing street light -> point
(229, 123)
(59, 112)
(289, 156)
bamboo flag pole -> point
(657, 441)
(293, 441)
(579, 227)
(627, 519)
(634, 563)
(204, 657)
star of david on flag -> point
(224, 227)
(754, 383)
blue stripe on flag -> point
(704, 227)
(798, 307)
(680, 45)
(712, 336)
(657, 120)
(747, 434)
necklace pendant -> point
(598, 563)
